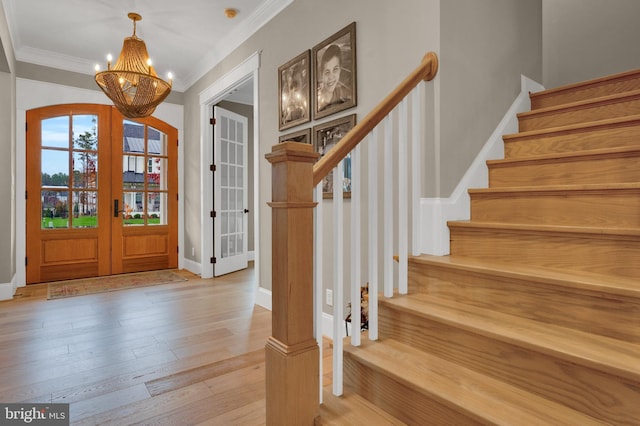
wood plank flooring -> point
(184, 353)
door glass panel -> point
(55, 209)
(133, 137)
(85, 169)
(55, 132)
(144, 175)
(133, 172)
(157, 142)
(224, 223)
(61, 208)
(232, 153)
(156, 173)
(85, 132)
(133, 208)
(224, 246)
(156, 208)
(85, 209)
(55, 168)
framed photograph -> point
(294, 89)
(302, 136)
(325, 137)
(334, 66)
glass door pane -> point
(144, 175)
(69, 200)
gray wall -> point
(485, 47)
(585, 39)
(390, 41)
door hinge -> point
(212, 213)
(26, 195)
(26, 261)
(212, 167)
(178, 249)
(213, 260)
(26, 126)
(212, 121)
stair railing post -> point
(292, 352)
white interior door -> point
(230, 200)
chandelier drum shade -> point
(132, 83)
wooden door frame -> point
(102, 251)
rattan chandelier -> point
(132, 83)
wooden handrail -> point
(425, 72)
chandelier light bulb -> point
(97, 67)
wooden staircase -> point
(534, 318)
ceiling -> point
(185, 38)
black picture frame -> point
(294, 91)
(302, 136)
(335, 73)
(325, 137)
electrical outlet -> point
(193, 251)
(329, 297)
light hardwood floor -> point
(187, 353)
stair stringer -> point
(436, 212)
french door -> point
(230, 195)
(101, 193)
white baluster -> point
(373, 233)
(416, 180)
(403, 194)
(338, 279)
(318, 278)
(388, 206)
(356, 257)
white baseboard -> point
(192, 266)
(435, 212)
(327, 326)
(263, 298)
(7, 290)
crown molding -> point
(233, 40)
(222, 48)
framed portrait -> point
(325, 137)
(302, 136)
(294, 89)
(334, 66)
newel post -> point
(292, 353)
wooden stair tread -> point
(477, 395)
(582, 85)
(622, 233)
(351, 409)
(595, 187)
(601, 353)
(588, 103)
(563, 156)
(569, 128)
(602, 284)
